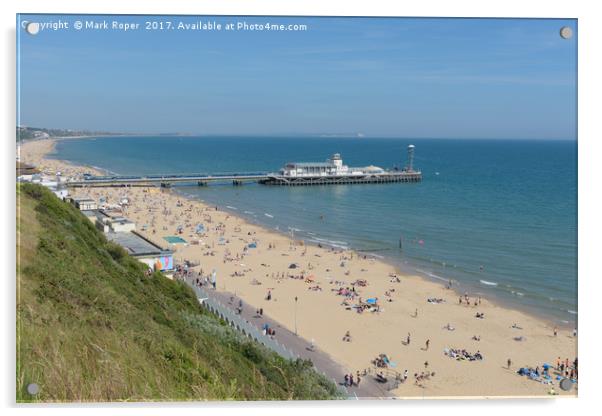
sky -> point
(382, 77)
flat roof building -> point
(84, 204)
(143, 249)
(108, 221)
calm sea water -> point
(506, 205)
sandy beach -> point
(329, 284)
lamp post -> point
(296, 299)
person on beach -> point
(428, 341)
(408, 339)
(357, 378)
(347, 337)
(346, 378)
(509, 363)
(555, 331)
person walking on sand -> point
(408, 339)
(357, 378)
(555, 331)
(428, 341)
(509, 363)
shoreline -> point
(406, 268)
(419, 286)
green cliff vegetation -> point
(91, 326)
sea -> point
(497, 217)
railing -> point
(248, 329)
(240, 324)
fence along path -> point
(291, 346)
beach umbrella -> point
(371, 301)
(292, 266)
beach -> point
(317, 290)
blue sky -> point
(398, 77)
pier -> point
(330, 172)
(240, 179)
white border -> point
(589, 189)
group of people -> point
(269, 331)
(567, 368)
(462, 354)
(465, 300)
(382, 361)
(349, 380)
(419, 378)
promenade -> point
(286, 343)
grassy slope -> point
(92, 327)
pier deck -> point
(240, 178)
(166, 180)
